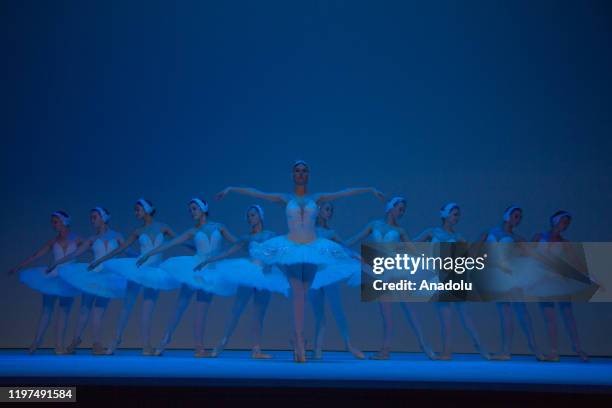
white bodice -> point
(58, 250)
(499, 235)
(389, 236)
(147, 244)
(208, 245)
(301, 219)
(101, 247)
(441, 235)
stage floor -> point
(337, 369)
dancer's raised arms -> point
(253, 192)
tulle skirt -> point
(208, 279)
(346, 270)
(535, 278)
(102, 282)
(148, 276)
(334, 262)
(251, 273)
(281, 250)
(47, 283)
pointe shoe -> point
(159, 351)
(201, 352)
(149, 351)
(358, 354)
(501, 356)
(61, 352)
(32, 349)
(113, 347)
(98, 349)
(433, 356)
(71, 349)
(484, 353)
(299, 354)
(548, 358)
(317, 354)
(443, 357)
(219, 349)
(383, 354)
(257, 354)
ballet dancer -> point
(148, 277)
(98, 286)
(504, 283)
(51, 286)
(300, 253)
(320, 293)
(208, 237)
(389, 230)
(559, 223)
(252, 280)
(450, 215)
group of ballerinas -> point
(310, 262)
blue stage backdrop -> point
(483, 103)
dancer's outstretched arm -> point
(360, 236)
(232, 250)
(42, 251)
(275, 197)
(347, 192)
(120, 249)
(164, 247)
(425, 236)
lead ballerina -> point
(301, 253)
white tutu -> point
(535, 278)
(344, 270)
(207, 279)
(281, 250)
(251, 273)
(148, 276)
(102, 282)
(48, 283)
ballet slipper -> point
(501, 357)
(317, 354)
(484, 353)
(76, 342)
(61, 351)
(201, 352)
(98, 349)
(299, 354)
(443, 357)
(257, 354)
(219, 349)
(355, 352)
(431, 355)
(111, 349)
(149, 351)
(32, 349)
(383, 354)
(159, 351)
